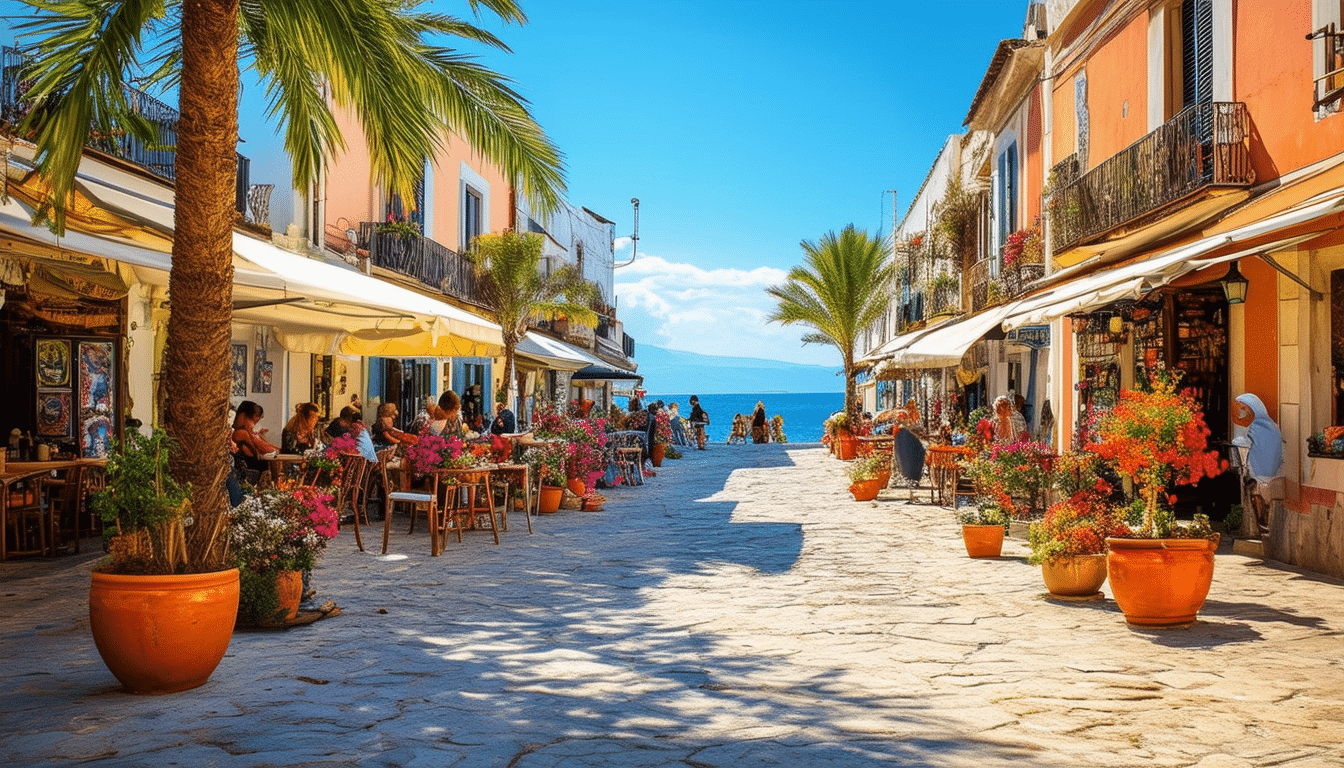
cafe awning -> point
(603, 373)
(554, 354)
(945, 345)
(1138, 278)
(898, 343)
(323, 308)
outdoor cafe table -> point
(473, 478)
(15, 469)
(279, 461)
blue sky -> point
(743, 127)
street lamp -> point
(1234, 285)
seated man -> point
(384, 431)
(505, 423)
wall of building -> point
(1273, 77)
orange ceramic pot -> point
(1075, 576)
(866, 490)
(656, 454)
(845, 446)
(576, 487)
(163, 634)
(550, 498)
(289, 588)
(983, 540)
(1160, 582)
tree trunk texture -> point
(200, 285)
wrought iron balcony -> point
(159, 158)
(423, 259)
(1206, 145)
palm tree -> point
(377, 58)
(508, 268)
(844, 288)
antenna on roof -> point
(634, 239)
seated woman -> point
(300, 434)
(252, 446)
(759, 433)
(384, 431)
(739, 430)
(448, 420)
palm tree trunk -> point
(510, 400)
(200, 286)
(851, 391)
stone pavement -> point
(738, 610)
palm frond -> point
(85, 51)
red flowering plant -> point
(1012, 476)
(277, 529)
(1156, 437)
(1081, 523)
(662, 427)
(435, 452)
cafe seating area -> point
(45, 506)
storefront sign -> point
(1034, 336)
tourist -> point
(300, 434)
(1009, 426)
(1263, 448)
(384, 431)
(699, 419)
(505, 422)
(759, 434)
(678, 429)
(251, 442)
(448, 421)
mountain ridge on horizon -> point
(674, 370)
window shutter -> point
(1196, 52)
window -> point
(1337, 345)
(471, 217)
(1189, 59)
(1328, 56)
(1006, 198)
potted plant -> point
(1069, 543)
(868, 475)
(1014, 476)
(162, 605)
(982, 529)
(277, 536)
(662, 435)
(844, 436)
(548, 461)
(1160, 572)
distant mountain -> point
(670, 370)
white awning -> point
(554, 353)
(1133, 281)
(323, 308)
(894, 345)
(945, 345)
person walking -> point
(698, 421)
(759, 434)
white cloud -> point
(722, 311)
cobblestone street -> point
(738, 610)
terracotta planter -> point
(983, 540)
(289, 588)
(1160, 582)
(656, 453)
(577, 487)
(163, 634)
(866, 490)
(550, 498)
(845, 446)
(1075, 576)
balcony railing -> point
(1206, 145)
(425, 260)
(159, 158)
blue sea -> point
(803, 412)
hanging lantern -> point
(1234, 285)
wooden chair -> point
(354, 474)
(506, 476)
(65, 501)
(395, 481)
(25, 526)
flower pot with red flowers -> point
(1069, 543)
(1161, 572)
